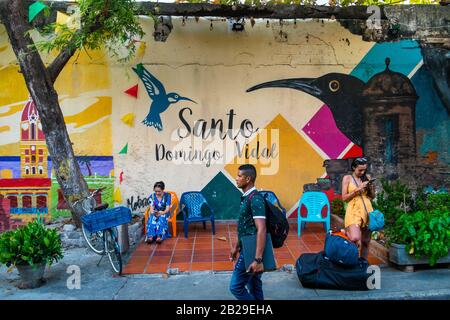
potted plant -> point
(30, 249)
(423, 236)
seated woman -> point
(157, 225)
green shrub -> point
(394, 200)
(30, 245)
(423, 233)
(397, 199)
(420, 222)
(338, 207)
(433, 201)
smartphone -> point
(372, 180)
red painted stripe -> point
(25, 182)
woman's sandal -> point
(158, 240)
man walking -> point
(252, 221)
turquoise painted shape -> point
(432, 118)
(404, 55)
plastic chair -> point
(191, 204)
(272, 198)
(174, 209)
(314, 201)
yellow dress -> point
(355, 213)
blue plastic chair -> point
(191, 204)
(314, 201)
(272, 198)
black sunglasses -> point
(361, 161)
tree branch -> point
(58, 64)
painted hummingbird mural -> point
(161, 100)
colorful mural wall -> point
(27, 185)
(190, 110)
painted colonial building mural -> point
(190, 110)
(25, 181)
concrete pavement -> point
(98, 283)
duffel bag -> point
(316, 270)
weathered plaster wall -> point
(214, 68)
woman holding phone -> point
(358, 190)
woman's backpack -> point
(376, 220)
(339, 249)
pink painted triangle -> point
(132, 91)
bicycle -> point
(105, 241)
(88, 205)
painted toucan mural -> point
(342, 93)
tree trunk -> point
(40, 86)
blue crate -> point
(108, 218)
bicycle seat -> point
(101, 207)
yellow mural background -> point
(84, 90)
(294, 155)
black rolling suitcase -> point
(315, 270)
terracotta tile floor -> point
(203, 251)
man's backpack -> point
(276, 222)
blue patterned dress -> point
(159, 226)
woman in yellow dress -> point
(356, 188)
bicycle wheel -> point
(113, 249)
(94, 240)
